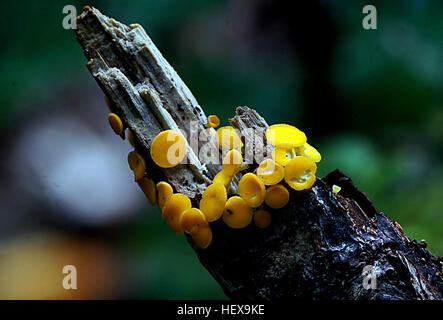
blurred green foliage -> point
(388, 82)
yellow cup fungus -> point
(213, 121)
(202, 237)
(137, 164)
(131, 138)
(116, 123)
(308, 151)
(232, 162)
(262, 218)
(336, 189)
(168, 149)
(228, 138)
(192, 220)
(213, 201)
(293, 160)
(285, 135)
(252, 190)
(283, 155)
(223, 178)
(148, 187)
(109, 103)
(237, 213)
(173, 210)
(277, 196)
(164, 192)
(300, 173)
(270, 172)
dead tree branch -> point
(316, 246)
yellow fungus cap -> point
(284, 135)
(300, 173)
(131, 138)
(270, 172)
(283, 155)
(148, 187)
(237, 213)
(109, 103)
(336, 189)
(164, 191)
(252, 190)
(308, 151)
(277, 196)
(202, 237)
(228, 138)
(223, 178)
(173, 210)
(192, 220)
(232, 162)
(116, 123)
(213, 201)
(137, 164)
(213, 121)
(168, 149)
(262, 219)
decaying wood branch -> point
(316, 247)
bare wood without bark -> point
(316, 246)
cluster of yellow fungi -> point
(293, 162)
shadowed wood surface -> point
(316, 247)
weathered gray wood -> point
(316, 246)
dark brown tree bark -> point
(316, 247)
